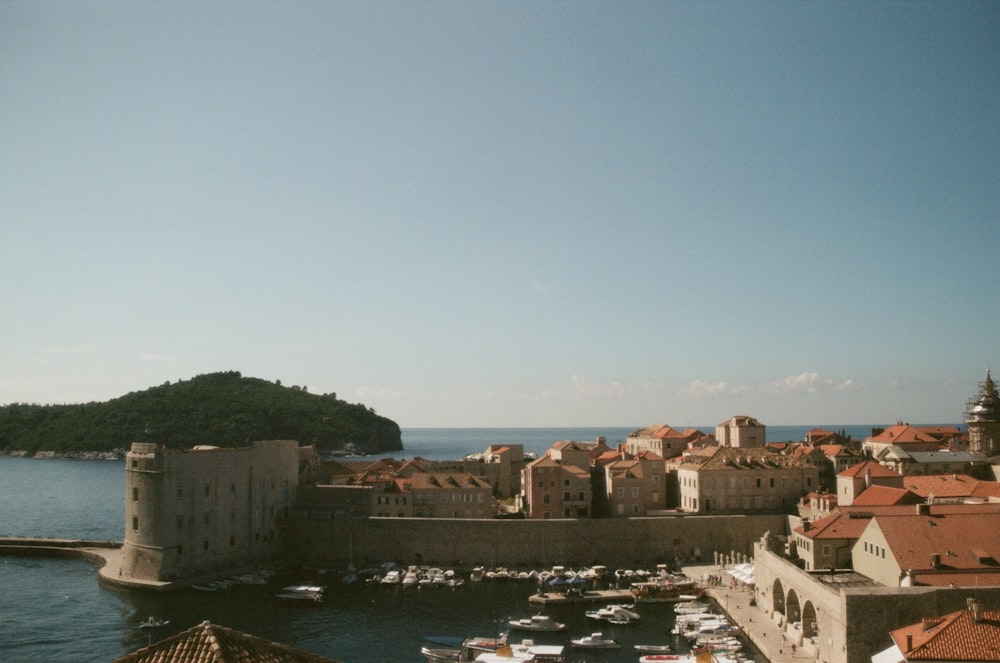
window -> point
(135, 494)
(758, 483)
(180, 493)
(180, 522)
(232, 541)
(135, 463)
(635, 491)
(566, 496)
(545, 499)
(621, 491)
(135, 524)
(565, 482)
(206, 491)
(204, 545)
(772, 482)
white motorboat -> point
(616, 614)
(595, 641)
(653, 649)
(542, 623)
(304, 593)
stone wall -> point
(327, 539)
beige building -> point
(741, 431)
(982, 416)
(636, 486)
(442, 495)
(195, 512)
(742, 480)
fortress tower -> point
(982, 415)
(201, 511)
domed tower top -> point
(984, 407)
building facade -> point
(743, 480)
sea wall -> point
(324, 539)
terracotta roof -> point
(210, 643)
(906, 434)
(836, 526)
(941, 485)
(884, 496)
(957, 636)
(876, 470)
(447, 481)
(915, 538)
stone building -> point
(741, 431)
(982, 416)
(662, 440)
(743, 480)
(635, 486)
(197, 512)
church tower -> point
(982, 415)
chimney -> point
(935, 560)
(923, 509)
(909, 643)
(977, 611)
(868, 478)
(806, 525)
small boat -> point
(616, 614)
(304, 593)
(595, 641)
(536, 623)
(653, 649)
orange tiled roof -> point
(877, 470)
(941, 485)
(210, 643)
(964, 541)
(846, 526)
(906, 434)
(885, 496)
(957, 636)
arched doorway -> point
(778, 597)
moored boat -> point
(304, 593)
(595, 641)
(541, 623)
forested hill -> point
(221, 409)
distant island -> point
(222, 409)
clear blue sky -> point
(507, 213)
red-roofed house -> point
(855, 479)
(826, 543)
(925, 548)
(953, 488)
(972, 634)
(662, 440)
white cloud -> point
(703, 389)
(809, 383)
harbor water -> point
(54, 609)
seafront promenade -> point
(754, 623)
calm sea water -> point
(54, 610)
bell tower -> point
(982, 416)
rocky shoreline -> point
(114, 454)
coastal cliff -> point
(221, 409)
